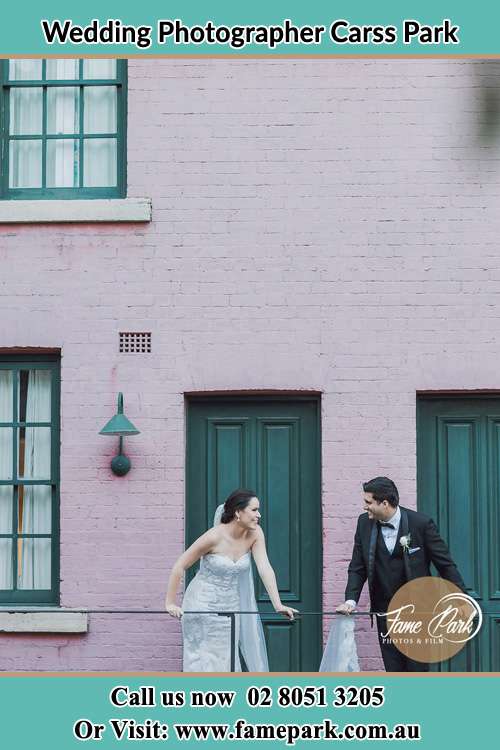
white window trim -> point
(58, 621)
(75, 211)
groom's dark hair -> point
(382, 488)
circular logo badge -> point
(430, 619)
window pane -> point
(63, 163)
(63, 110)
(100, 162)
(34, 509)
(34, 452)
(99, 110)
(25, 164)
(34, 564)
(5, 564)
(34, 395)
(6, 496)
(5, 452)
(6, 396)
(25, 111)
(99, 69)
(25, 70)
(59, 70)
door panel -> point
(460, 492)
(272, 446)
(278, 461)
(458, 451)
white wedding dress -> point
(222, 585)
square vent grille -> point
(135, 342)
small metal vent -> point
(135, 342)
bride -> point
(224, 582)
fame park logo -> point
(430, 619)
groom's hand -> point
(346, 608)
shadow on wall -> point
(487, 74)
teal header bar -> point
(289, 711)
(261, 28)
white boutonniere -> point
(405, 542)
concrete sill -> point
(75, 211)
(59, 621)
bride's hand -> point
(289, 612)
(173, 610)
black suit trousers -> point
(394, 660)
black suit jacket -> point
(423, 533)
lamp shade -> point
(119, 424)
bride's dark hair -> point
(237, 500)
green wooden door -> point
(458, 457)
(272, 446)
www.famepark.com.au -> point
(291, 733)
(243, 730)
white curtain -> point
(26, 107)
(25, 70)
(34, 572)
(62, 69)
(5, 473)
(99, 68)
(63, 119)
(25, 157)
(99, 163)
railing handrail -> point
(12, 609)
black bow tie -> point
(386, 524)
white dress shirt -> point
(389, 535)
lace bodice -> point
(221, 570)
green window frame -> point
(41, 127)
(18, 543)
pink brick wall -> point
(328, 225)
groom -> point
(379, 557)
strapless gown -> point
(207, 638)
